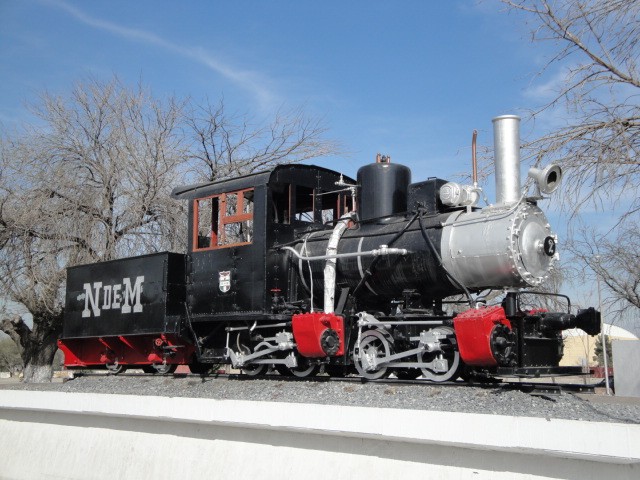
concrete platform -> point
(64, 435)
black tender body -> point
(162, 297)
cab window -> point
(305, 204)
(300, 204)
(223, 220)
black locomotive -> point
(298, 268)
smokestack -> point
(506, 143)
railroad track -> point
(533, 388)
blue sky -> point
(411, 79)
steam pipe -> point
(506, 142)
(330, 266)
(376, 252)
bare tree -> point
(225, 145)
(90, 182)
(598, 50)
(596, 96)
(9, 356)
(616, 261)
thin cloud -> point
(548, 90)
(244, 79)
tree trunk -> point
(38, 346)
(38, 365)
(37, 373)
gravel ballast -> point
(497, 401)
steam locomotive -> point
(300, 268)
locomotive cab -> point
(235, 272)
(234, 225)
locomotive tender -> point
(299, 267)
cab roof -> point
(252, 180)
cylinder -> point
(506, 142)
(383, 190)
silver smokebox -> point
(506, 142)
(511, 243)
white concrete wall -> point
(626, 358)
(86, 436)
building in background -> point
(579, 348)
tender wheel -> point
(164, 368)
(448, 357)
(373, 347)
(115, 368)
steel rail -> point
(532, 388)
